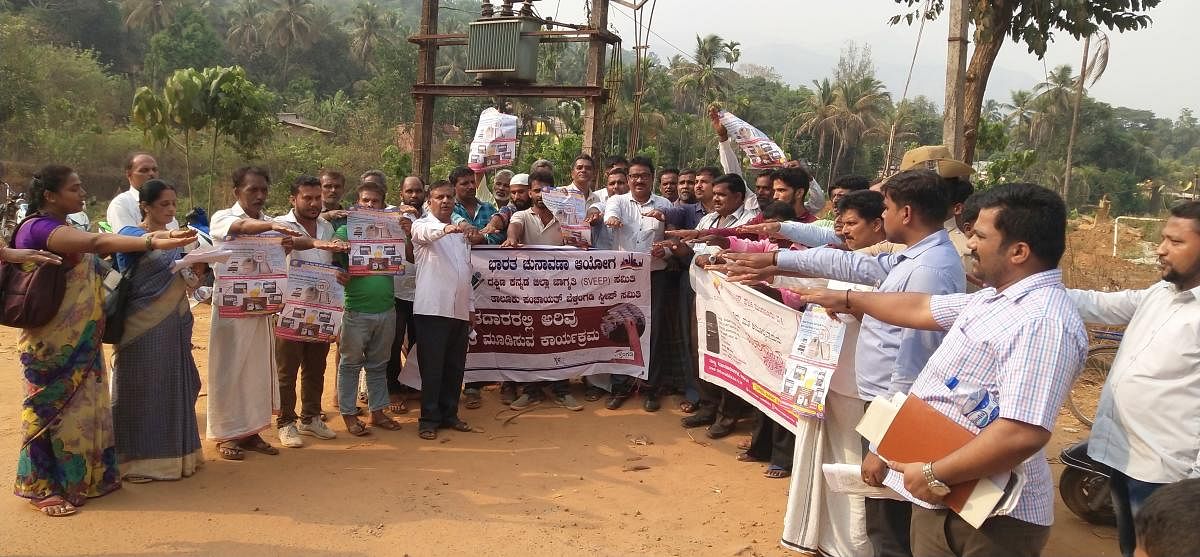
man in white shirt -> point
(292, 357)
(124, 209)
(412, 198)
(636, 220)
(443, 311)
(1146, 427)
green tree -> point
(154, 15)
(245, 26)
(370, 26)
(1032, 22)
(188, 42)
(290, 25)
(701, 80)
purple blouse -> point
(35, 233)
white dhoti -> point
(243, 390)
(818, 519)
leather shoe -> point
(615, 401)
(720, 429)
(699, 419)
(651, 404)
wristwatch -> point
(936, 486)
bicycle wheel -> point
(1085, 393)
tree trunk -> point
(829, 171)
(212, 173)
(990, 33)
(1087, 43)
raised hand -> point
(613, 222)
(282, 229)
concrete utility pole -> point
(956, 77)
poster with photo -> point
(569, 208)
(313, 305)
(758, 148)
(495, 142)
(252, 281)
(376, 242)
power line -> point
(660, 37)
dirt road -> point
(551, 483)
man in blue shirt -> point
(887, 357)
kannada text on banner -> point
(544, 314)
(376, 242)
(251, 282)
(315, 302)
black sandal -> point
(427, 434)
(460, 426)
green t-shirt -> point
(370, 294)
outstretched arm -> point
(903, 309)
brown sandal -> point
(389, 424)
(258, 445)
(357, 428)
(427, 434)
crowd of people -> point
(956, 288)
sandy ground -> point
(551, 483)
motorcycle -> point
(1084, 486)
(12, 209)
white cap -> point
(519, 179)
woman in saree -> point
(155, 380)
(67, 450)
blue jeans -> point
(366, 344)
(1128, 496)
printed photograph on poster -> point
(569, 208)
(376, 242)
(315, 303)
(746, 345)
(495, 142)
(252, 281)
(758, 148)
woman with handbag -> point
(155, 379)
(67, 451)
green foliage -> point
(51, 93)
(188, 42)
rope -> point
(887, 160)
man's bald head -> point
(140, 168)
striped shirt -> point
(1025, 345)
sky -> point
(1155, 68)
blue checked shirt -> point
(1025, 345)
(483, 213)
(888, 358)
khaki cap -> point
(936, 158)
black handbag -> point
(116, 306)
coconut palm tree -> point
(701, 80)
(817, 117)
(155, 15)
(732, 52)
(245, 26)
(452, 69)
(1054, 94)
(1021, 114)
(290, 25)
(370, 27)
(861, 107)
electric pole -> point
(956, 77)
